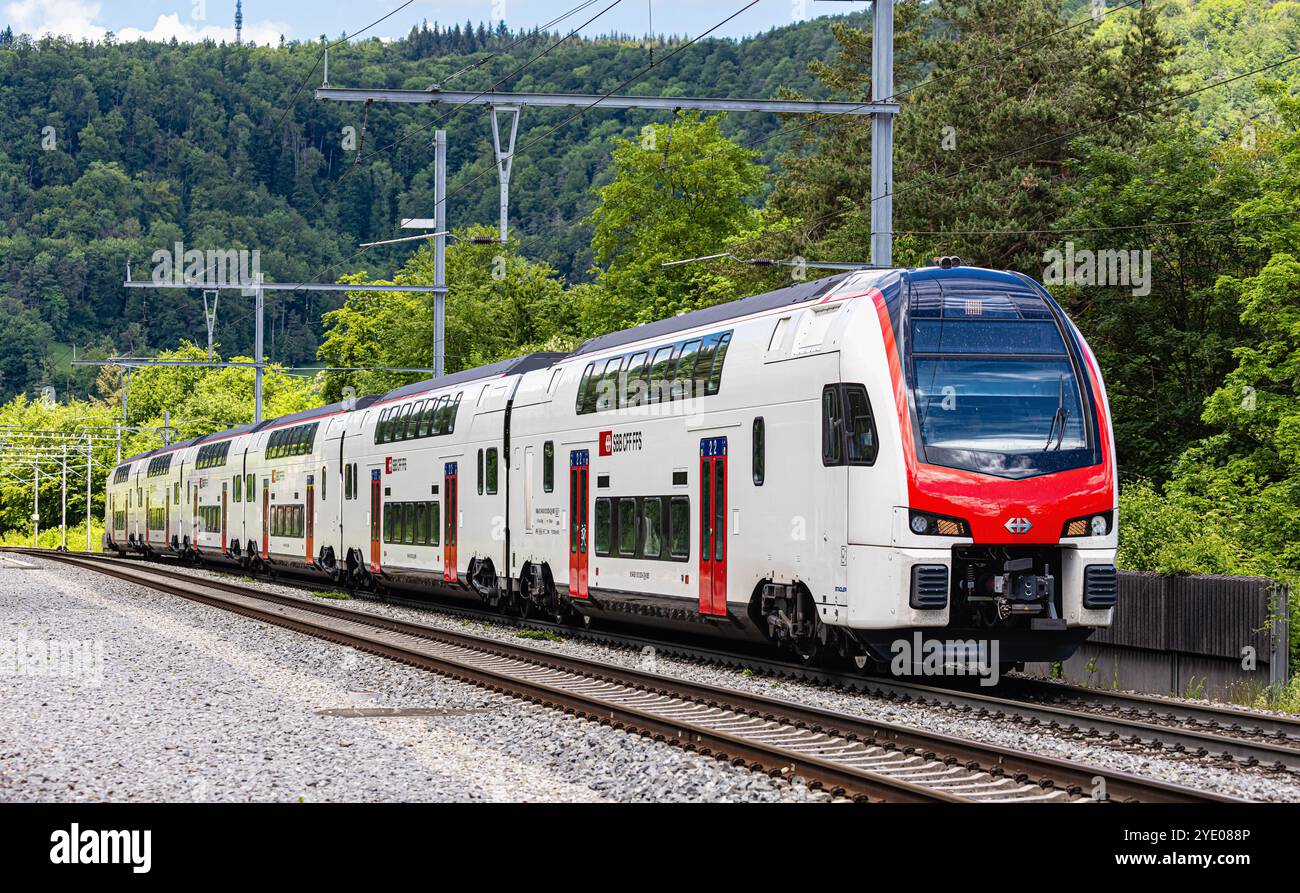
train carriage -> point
(833, 467)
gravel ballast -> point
(1251, 784)
(147, 696)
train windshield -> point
(995, 388)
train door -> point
(310, 521)
(450, 513)
(713, 525)
(376, 517)
(146, 517)
(266, 518)
(579, 498)
(225, 516)
(167, 518)
(194, 524)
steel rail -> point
(1158, 735)
(933, 749)
(361, 631)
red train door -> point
(451, 510)
(579, 493)
(266, 518)
(376, 517)
(713, 525)
(310, 520)
(224, 518)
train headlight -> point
(926, 524)
(1089, 525)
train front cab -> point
(994, 427)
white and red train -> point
(832, 466)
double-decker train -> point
(832, 467)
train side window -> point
(250, 488)
(490, 472)
(832, 426)
(176, 493)
(403, 429)
(480, 472)
(603, 532)
(634, 389)
(435, 523)
(324, 483)
(683, 380)
(426, 418)
(760, 451)
(421, 523)
(661, 373)
(714, 384)
(861, 444)
(408, 523)
(704, 364)
(627, 527)
(607, 385)
(388, 523)
(448, 425)
(236, 487)
(443, 414)
(586, 401)
(410, 427)
(652, 543)
(548, 466)
(347, 481)
(679, 527)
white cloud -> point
(77, 19)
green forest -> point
(1027, 126)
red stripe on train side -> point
(986, 501)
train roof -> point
(514, 366)
(308, 415)
(798, 293)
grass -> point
(1267, 697)
(333, 593)
(51, 537)
(544, 635)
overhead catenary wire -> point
(678, 49)
(825, 116)
(456, 107)
(1054, 139)
(577, 113)
(289, 108)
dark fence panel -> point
(1199, 634)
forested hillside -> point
(152, 143)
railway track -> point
(847, 756)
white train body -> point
(832, 466)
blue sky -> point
(265, 20)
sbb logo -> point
(607, 443)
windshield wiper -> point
(1058, 418)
